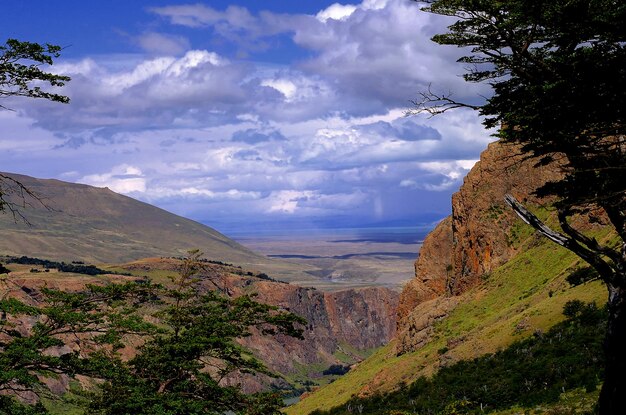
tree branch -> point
(435, 104)
(591, 243)
(10, 186)
(592, 257)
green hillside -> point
(522, 297)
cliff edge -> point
(481, 234)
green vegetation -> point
(184, 336)
(512, 304)
(528, 373)
(557, 70)
(96, 318)
(75, 267)
(20, 68)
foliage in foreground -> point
(557, 70)
(185, 336)
(528, 373)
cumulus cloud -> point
(202, 131)
(383, 51)
(150, 92)
(336, 11)
(379, 50)
(444, 175)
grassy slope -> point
(97, 225)
(522, 296)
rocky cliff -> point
(342, 326)
(339, 323)
(481, 234)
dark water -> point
(408, 235)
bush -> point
(530, 372)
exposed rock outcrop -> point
(477, 238)
(418, 326)
(342, 321)
(481, 221)
(432, 269)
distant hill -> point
(98, 225)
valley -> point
(375, 319)
(79, 222)
(375, 207)
(333, 334)
(483, 281)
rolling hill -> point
(81, 222)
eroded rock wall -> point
(340, 325)
(481, 221)
(338, 322)
(477, 238)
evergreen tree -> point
(21, 75)
(558, 73)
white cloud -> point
(163, 44)
(336, 11)
(284, 86)
(207, 132)
(286, 201)
(445, 175)
(122, 179)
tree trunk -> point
(613, 394)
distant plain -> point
(345, 257)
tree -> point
(20, 67)
(180, 369)
(185, 335)
(21, 75)
(558, 73)
(95, 320)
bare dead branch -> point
(11, 188)
(435, 104)
(606, 271)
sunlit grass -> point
(522, 297)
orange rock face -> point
(481, 221)
(432, 269)
(470, 243)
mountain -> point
(81, 222)
(90, 224)
(483, 280)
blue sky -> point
(246, 115)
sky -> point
(248, 115)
